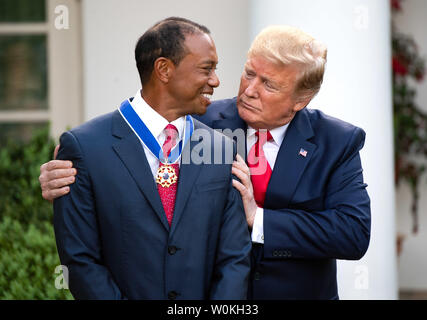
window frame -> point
(64, 64)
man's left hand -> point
(241, 171)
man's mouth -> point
(247, 105)
(207, 97)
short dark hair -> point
(165, 39)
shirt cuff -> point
(258, 226)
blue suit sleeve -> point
(77, 235)
(341, 230)
(232, 268)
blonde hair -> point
(291, 46)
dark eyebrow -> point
(209, 62)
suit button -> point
(172, 295)
(257, 276)
(275, 253)
(172, 250)
(289, 254)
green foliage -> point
(28, 255)
(20, 195)
(27, 262)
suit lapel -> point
(131, 152)
(290, 164)
(229, 119)
(188, 173)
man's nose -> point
(213, 79)
(252, 89)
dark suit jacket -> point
(316, 207)
(113, 235)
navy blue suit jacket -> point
(113, 235)
(316, 207)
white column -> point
(357, 89)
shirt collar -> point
(278, 133)
(152, 119)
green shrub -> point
(28, 258)
(28, 255)
(20, 195)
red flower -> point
(395, 5)
(399, 68)
(419, 76)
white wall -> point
(111, 29)
(357, 88)
(413, 259)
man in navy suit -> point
(138, 223)
(314, 207)
(302, 186)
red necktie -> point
(167, 194)
(259, 167)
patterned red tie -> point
(167, 194)
(259, 167)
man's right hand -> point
(55, 176)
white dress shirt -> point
(156, 124)
(271, 149)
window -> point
(40, 67)
(23, 68)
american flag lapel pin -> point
(302, 152)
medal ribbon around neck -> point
(147, 138)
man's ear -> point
(301, 104)
(163, 69)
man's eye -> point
(209, 69)
(269, 85)
(249, 74)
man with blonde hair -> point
(302, 186)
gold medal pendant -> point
(166, 176)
